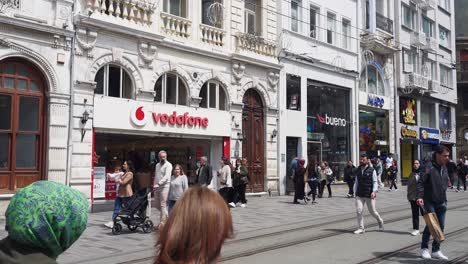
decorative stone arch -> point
(124, 62)
(210, 76)
(40, 62)
(380, 71)
(183, 74)
(259, 88)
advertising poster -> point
(408, 111)
(99, 188)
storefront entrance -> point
(373, 132)
(113, 149)
(253, 144)
(409, 152)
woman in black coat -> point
(411, 195)
(299, 183)
(392, 176)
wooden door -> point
(253, 143)
(22, 119)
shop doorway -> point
(409, 152)
(314, 148)
(253, 144)
(292, 151)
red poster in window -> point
(464, 55)
(198, 152)
(226, 147)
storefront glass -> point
(113, 149)
(373, 132)
(328, 126)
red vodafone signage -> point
(140, 117)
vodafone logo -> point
(138, 116)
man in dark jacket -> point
(432, 194)
(349, 177)
(365, 189)
(204, 173)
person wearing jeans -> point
(365, 189)
(432, 194)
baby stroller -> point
(133, 214)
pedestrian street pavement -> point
(262, 215)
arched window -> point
(213, 95)
(22, 124)
(170, 89)
(372, 81)
(112, 80)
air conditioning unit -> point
(433, 86)
(417, 2)
(408, 67)
(429, 5)
(418, 39)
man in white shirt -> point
(162, 182)
(389, 161)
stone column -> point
(59, 109)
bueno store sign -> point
(331, 121)
(140, 117)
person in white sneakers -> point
(162, 183)
(365, 189)
(411, 195)
(432, 194)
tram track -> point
(285, 244)
(388, 255)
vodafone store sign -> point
(139, 117)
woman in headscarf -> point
(299, 183)
(43, 220)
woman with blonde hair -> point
(180, 242)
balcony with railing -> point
(416, 81)
(255, 44)
(123, 11)
(175, 25)
(384, 23)
(432, 44)
(212, 35)
(418, 39)
(429, 5)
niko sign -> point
(331, 121)
(375, 101)
(139, 117)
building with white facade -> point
(35, 60)
(194, 78)
(320, 58)
(426, 99)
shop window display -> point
(293, 92)
(113, 149)
(373, 132)
(328, 129)
(444, 118)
